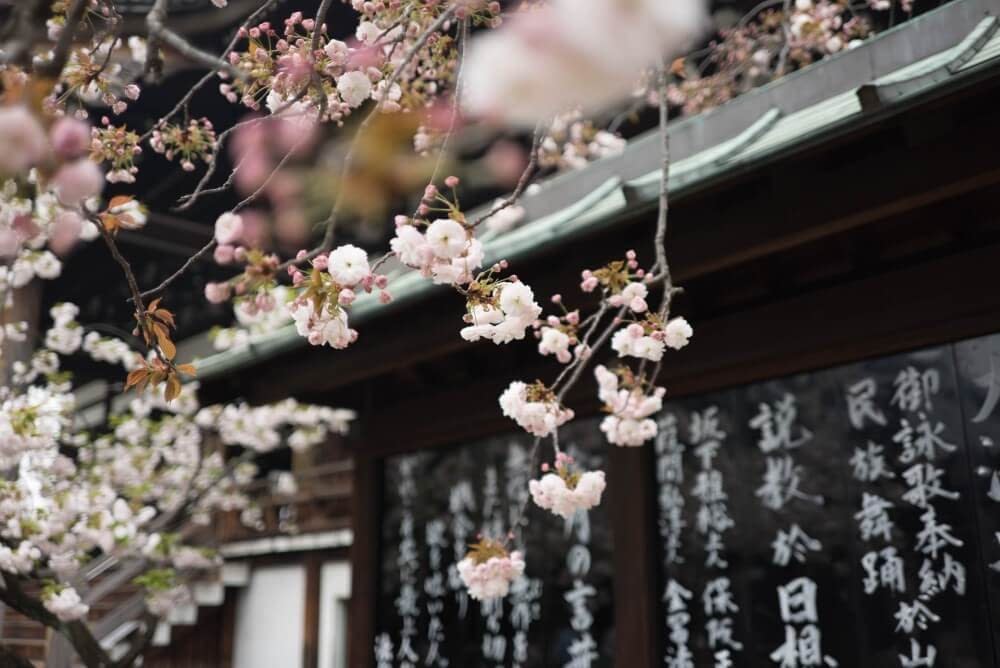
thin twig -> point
(526, 176)
(158, 290)
(463, 36)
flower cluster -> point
(264, 428)
(320, 309)
(573, 142)
(64, 602)
(65, 336)
(49, 178)
(499, 310)
(444, 249)
(254, 322)
(110, 350)
(288, 76)
(534, 408)
(565, 491)
(73, 494)
(629, 404)
(488, 570)
(764, 47)
(559, 333)
(95, 76)
(648, 338)
(190, 143)
(118, 146)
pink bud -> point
(224, 254)
(431, 191)
(216, 293)
(556, 298)
(451, 181)
(384, 297)
(346, 297)
(65, 232)
(70, 137)
(321, 262)
(635, 330)
(78, 181)
(381, 281)
(573, 317)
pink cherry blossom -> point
(22, 138)
(78, 181)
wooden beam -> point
(942, 300)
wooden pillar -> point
(365, 520)
(310, 621)
(630, 487)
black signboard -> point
(845, 517)
(436, 503)
(846, 512)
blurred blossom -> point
(65, 232)
(291, 227)
(506, 161)
(22, 138)
(78, 181)
(570, 53)
(256, 233)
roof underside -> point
(932, 55)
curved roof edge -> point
(947, 47)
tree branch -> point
(209, 75)
(60, 54)
(159, 32)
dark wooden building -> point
(837, 235)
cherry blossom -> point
(23, 139)
(629, 405)
(65, 604)
(677, 333)
(500, 312)
(565, 491)
(632, 341)
(488, 570)
(534, 408)
(228, 228)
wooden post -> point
(365, 520)
(630, 487)
(310, 622)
